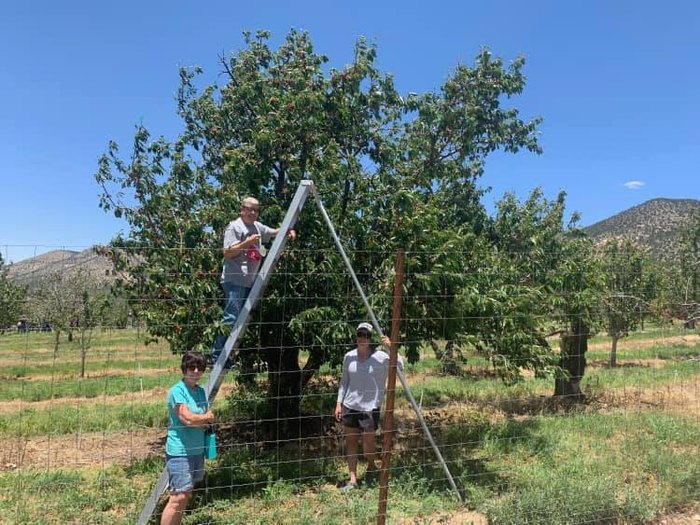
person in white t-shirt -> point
(360, 397)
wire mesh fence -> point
(84, 421)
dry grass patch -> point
(678, 397)
(89, 449)
(460, 517)
(104, 373)
(634, 344)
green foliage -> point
(626, 269)
(623, 267)
(12, 297)
(690, 271)
(536, 276)
(393, 172)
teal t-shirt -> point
(183, 440)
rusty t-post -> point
(388, 423)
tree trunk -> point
(613, 352)
(574, 345)
(83, 353)
(57, 333)
(284, 393)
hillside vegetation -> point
(655, 224)
(32, 271)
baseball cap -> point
(364, 327)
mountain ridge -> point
(656, 224)
(31, 271)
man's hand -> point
(252, 239)
(291, 235)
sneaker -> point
(348, 487)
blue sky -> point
(615, 81)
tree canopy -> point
(395, 170)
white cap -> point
(365, 327)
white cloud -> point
(633, 184)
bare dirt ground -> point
(86, 450)
(682, 517)
(678, 397)
(102, 373)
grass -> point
(674, 351)
(93, 496)
(595, 463)
(83, 418)
(643, 376)
(593, 468)
(584, 468)
(29, 390)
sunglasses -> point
(363, 334)
(192, 368)
(251, 209)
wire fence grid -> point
(88, 449)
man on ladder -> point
(243, 252)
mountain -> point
(31, 271)
(654, 224)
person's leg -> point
(181, 485)
(369, 423)
(175, 508)
(369, 448)
(352, 439)
(234, 299)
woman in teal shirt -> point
(189, 416)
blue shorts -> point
(184, 472)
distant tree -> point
(51, 303)
(91, 302)
(537, 277)
(655, 293)
(393, 172)
(12, 297)
(690, 271)
(68, 302)
(623, 266)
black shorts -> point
(367, 421)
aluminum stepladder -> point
(218, 371)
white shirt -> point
(362, 385)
